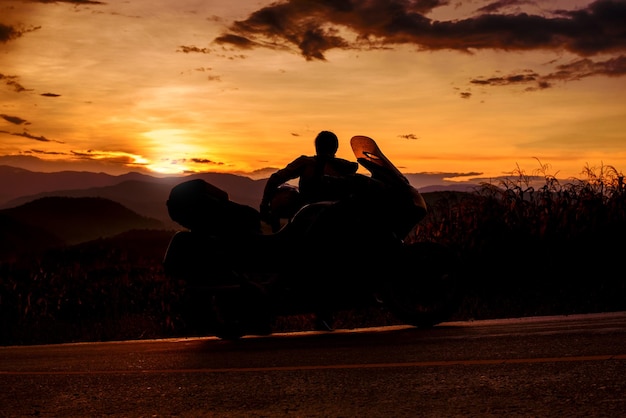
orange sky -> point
(465, 90)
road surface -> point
(573, 366)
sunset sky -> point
(459, 89)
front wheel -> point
(424, 289)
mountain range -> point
(144, 194)
(41, 210)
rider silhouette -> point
(320, 176)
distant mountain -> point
(141, 193)
(143, 197)
(70, 221)
(461, 187)
(144, 194)
(16, 182)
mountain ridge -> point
(90, 205)
(56, 221)
(18, 186)
(144, 194)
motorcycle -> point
(330, 256)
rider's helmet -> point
(326, 143)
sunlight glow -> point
(184, 88)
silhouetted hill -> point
(17, 237)
(140, 244)
(433, 198)
(141, 193)
(461, 187)
(75, 220)
(16, 182)
(143, 197)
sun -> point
(171, 151)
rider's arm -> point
(291, 171)
(345, 167)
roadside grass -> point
(525, 250)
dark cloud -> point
(77, 2)
(526, 77)
(50, 95)
(236, 41)
(9, 33)
(25, 134)
(14, 120)
(102, 157)
(191, 49)
(36, 138)
(313, 27)
(205, 161)
(408, 136)
(575, 70)
(39, 151)
(11, 81)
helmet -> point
(326, 143)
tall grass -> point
(528, 250)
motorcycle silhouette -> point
(330, 256)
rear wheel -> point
(242, 310)
(424, 290)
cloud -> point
(237, 41)
(193, 49)
(575, 70)
(14, 120)
(25, 134)
(105, 156)
(195, 161)
(10, 33)
(503, 4)
(314, 27)
(29, 161)
(42, 152)
(111, 159)
(77, 2)
(205, 161)
(11, 81)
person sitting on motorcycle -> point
(320, 176)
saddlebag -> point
(201, 207)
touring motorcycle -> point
(329, 256)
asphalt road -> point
(572, 366)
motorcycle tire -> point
(424, 289)
(240, 311)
